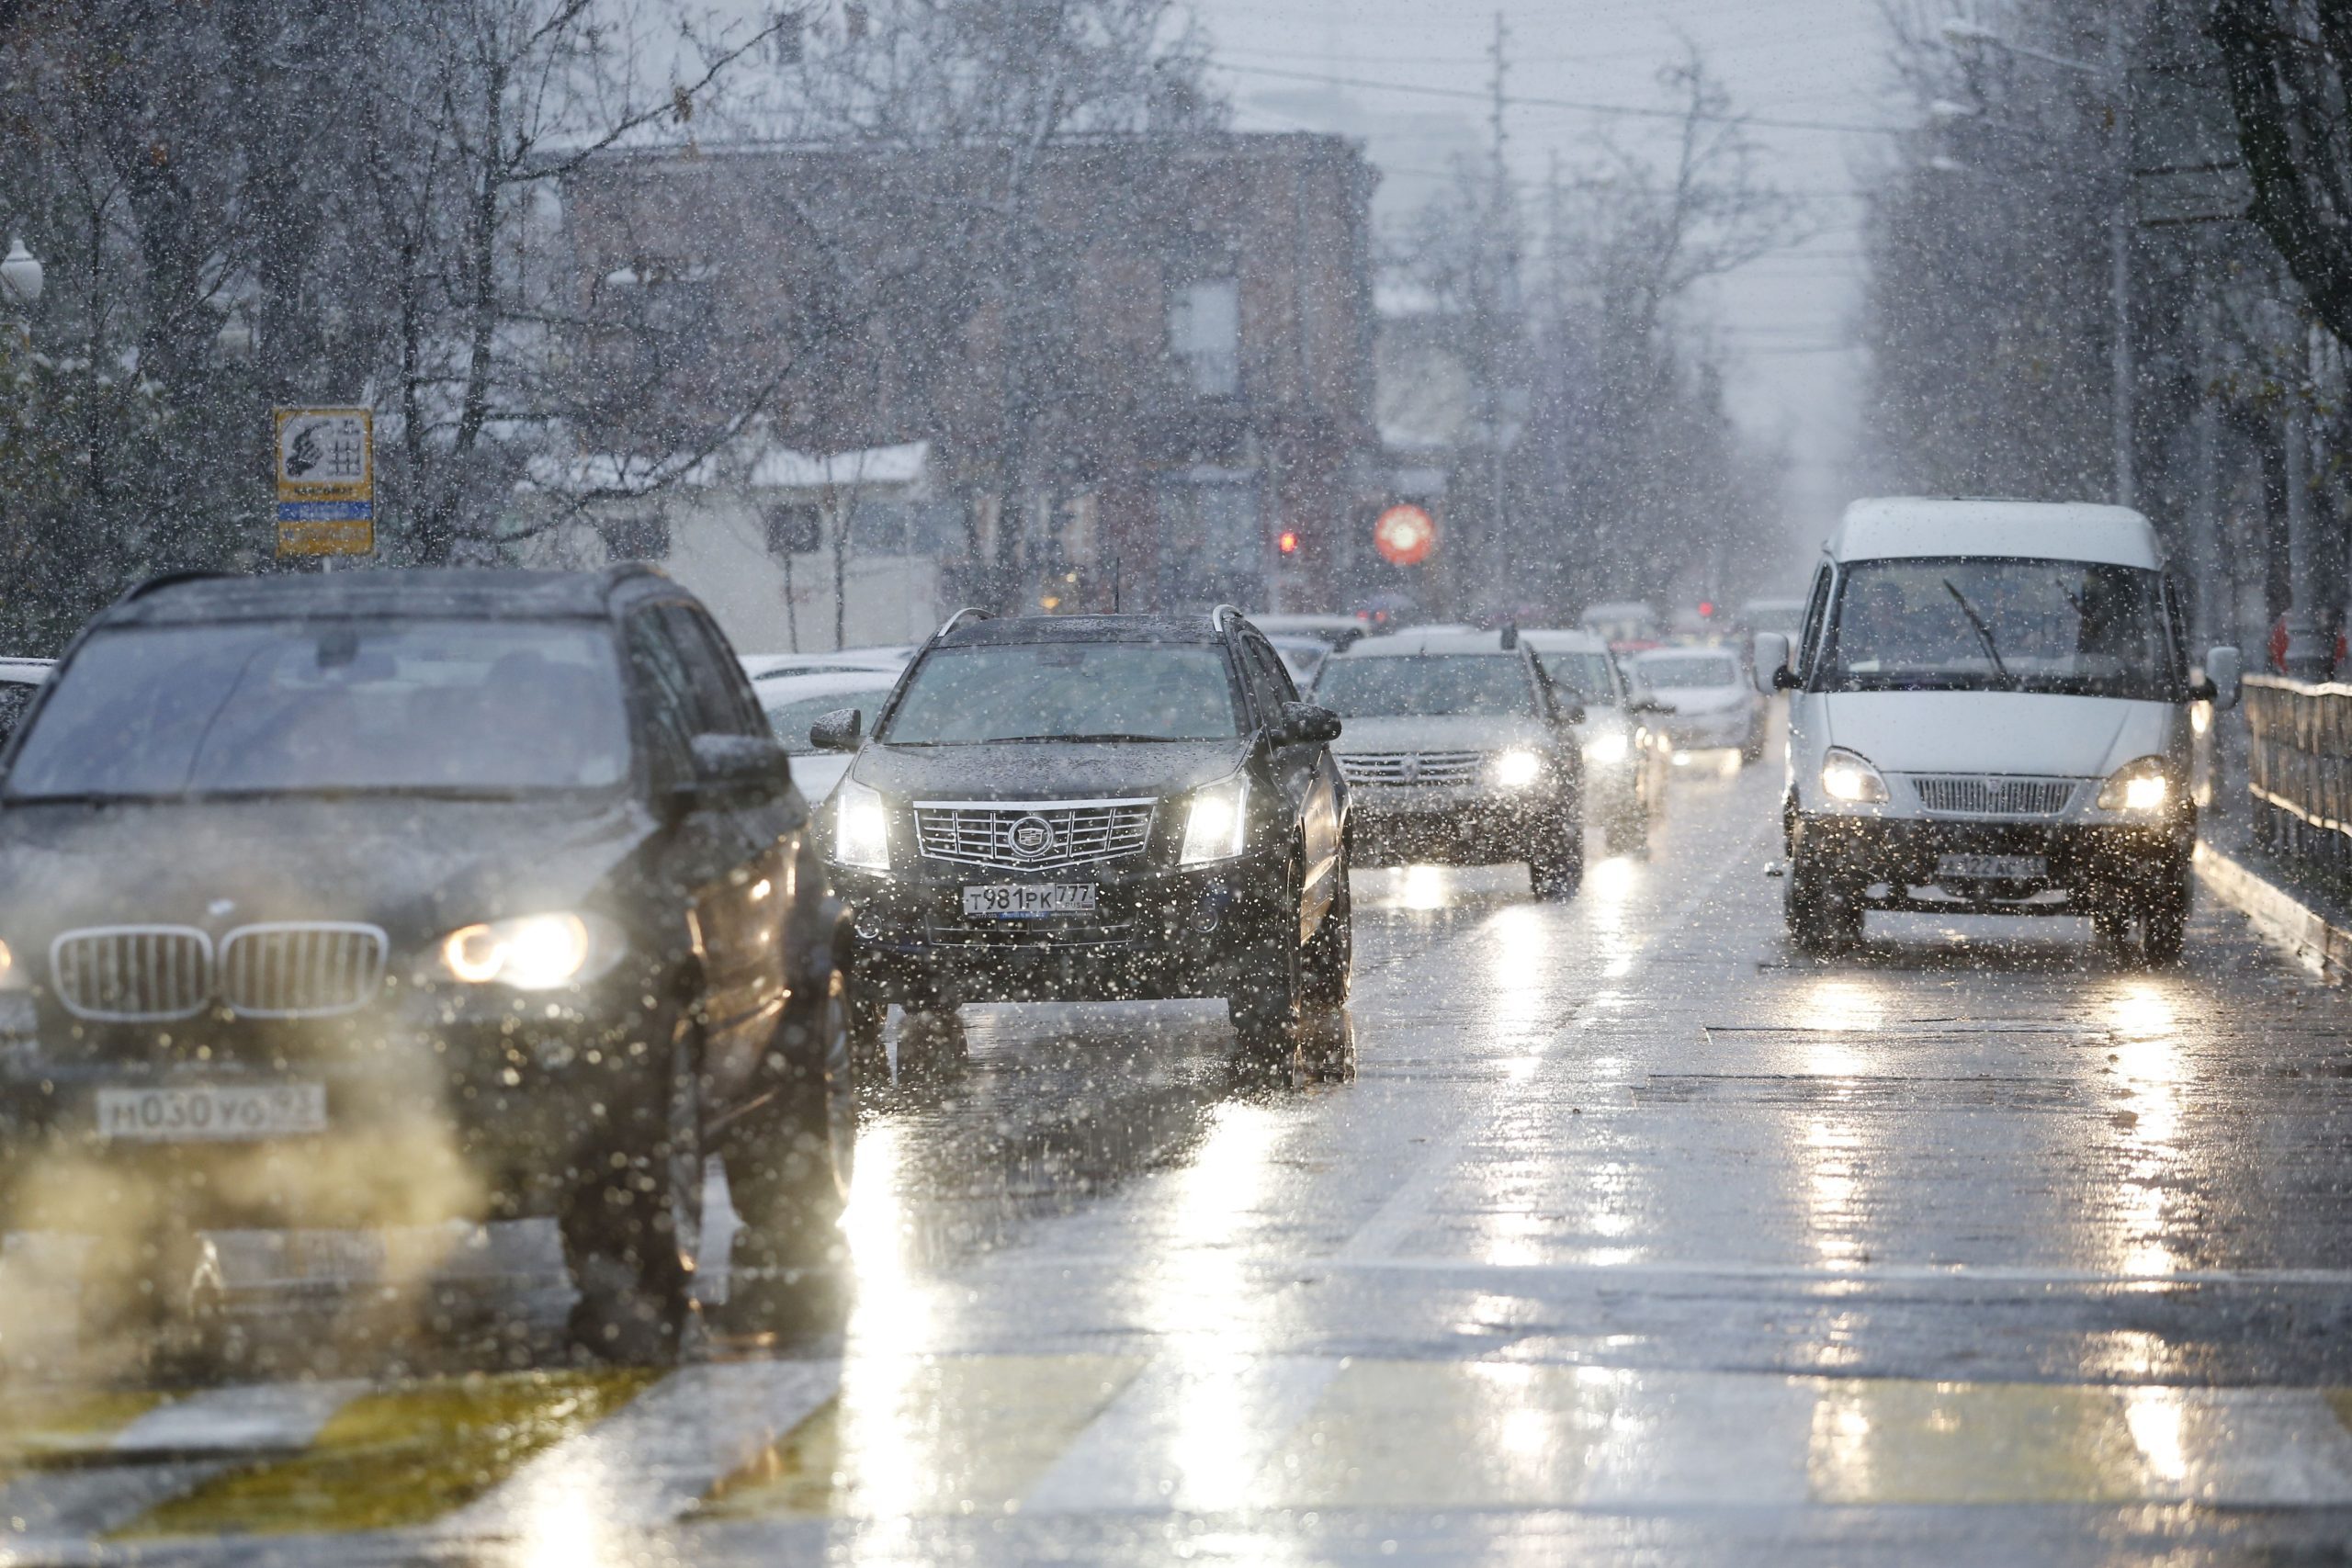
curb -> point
(2320, 946)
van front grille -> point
(1985, 795)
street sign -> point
(326, 481)
(1405, 535)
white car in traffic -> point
(1707, 700)
(1625, 755)
(793, 703)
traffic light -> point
(1706, 609)
(1288, 543)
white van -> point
(1989, 713)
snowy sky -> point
(1785, 318)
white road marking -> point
(249, 1418)
(656, 1457)
(1188, 1433)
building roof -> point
(750, 463)
(1899, 527)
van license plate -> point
(1028, 901)
(201, 1114)
(1991, 868)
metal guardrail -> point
(2299, 772)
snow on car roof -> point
(791, 685)
(1562, 639)
(1896, 527)
(843, 661)
(1400, 644)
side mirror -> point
(1306, 724)
(843, 729)
(736, 766)
(1771, 661)
(2224, 669)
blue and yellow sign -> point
(326, 481)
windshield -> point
(1661, 674)
(1446, 685)
(1067, 690)
(368, 705)
(790, 720)
(2068, 627)
(1586, 674)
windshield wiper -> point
(1984, 634)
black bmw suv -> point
(387, 897)
(1094, 807)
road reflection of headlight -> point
(1516, 770)
(534, 953)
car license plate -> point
(1991, 868)
(1028, 901)
(211, 1113)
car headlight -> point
(1518, 769)
(861, 827)
(530, 953)
(1846, 777)
(1609, 747)
(12, 973)
(2140, 787)
(1216, 824)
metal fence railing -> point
(2299, 772)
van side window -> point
(1816, 613)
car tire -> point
(2164, 918)
(1555, 870)
(1269, 1003)
(1820, 922)
(1329, 957)
(631, 1224)
(788, 1173)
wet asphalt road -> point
(1631, 1238)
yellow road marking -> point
(44, 1429)
(909, 1436)
(403, 1457)
(1884, 1441)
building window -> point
(1205, 334)
(643, 536)
(795, 530)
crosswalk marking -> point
(1188, 1433)
(563, 1458)
(662, 1454)
(252, 1419)
(403, 1457)
(922, 1436)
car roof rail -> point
(1217, 615)
(164, 579)
(971, 612)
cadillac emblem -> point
(1030, 838)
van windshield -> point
(2075, 628)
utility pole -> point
(2120, 225)
(1502, 263)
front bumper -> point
(1156, 932)
(1393, 825)
(1892, 862)
(435, 1108)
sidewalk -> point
(2313, 922)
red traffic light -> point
(1706, 609)
(1288, 543)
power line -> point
(1636, 111)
